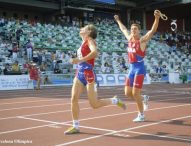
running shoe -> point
(139, 118)
(145, 102)
(120, 103)
(72, 130)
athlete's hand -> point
(157, 14)
(74, 60)
(116, 17)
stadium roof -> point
(148, 4)
(85, 4)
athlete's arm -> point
(91, 55)
(151, 32)
(122, 27)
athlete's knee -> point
(128, 94)
(94, 104)
(74, 99)
(136, 94)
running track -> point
(39, 118)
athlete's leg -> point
(92, 96)
(77, 89)
(138, 98)
(38, 83)
(96, 103)
(91, 86)
(129, 84)
(137, 88)
(128, 92)
(145, 102)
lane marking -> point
(170, 99)
(54, 126)
(46, 113)
(29, 101)
(101, 129)
(169, 94)
(92, 118)
(20, 98)
(123, 130)
(40, 95)
(58, 123)
(46, 105)
(25, 107)
(126, 113)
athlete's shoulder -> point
(91, 41)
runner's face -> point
(134, 30)
(84, 31)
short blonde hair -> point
(137, 25)
(93, 31)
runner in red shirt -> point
(34, 74)
(86, 77)
(136, 53)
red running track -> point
(39, 118)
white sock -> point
(76, 124)
(114, 101)
(141, 114)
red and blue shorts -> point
(85, 73)
(136, 75)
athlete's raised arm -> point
(122, 27)
(151, 32)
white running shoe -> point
(139, 118)
(145, 102)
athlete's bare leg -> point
(128, 92)
(77, 90)
(92, 96)
(138, 98)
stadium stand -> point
(53, 44)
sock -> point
(76, 124)
(114, 101)
(141, 114)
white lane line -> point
(156, 123)
(58, 123)
(92, 118)
(30, 101)
(18, 98)
(161, 136)
(86, 127)
(170, 94)
(24, 129)
(27, 107)
(34, 96)
(55, 112)
(36, 101)
(47, 113)
(39, 120)
(57, 94)
(123, 130)
(31, 92)
(101, 129)
(168, 99)
(126, 113)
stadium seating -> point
(111, 45)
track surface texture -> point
(40, 117)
